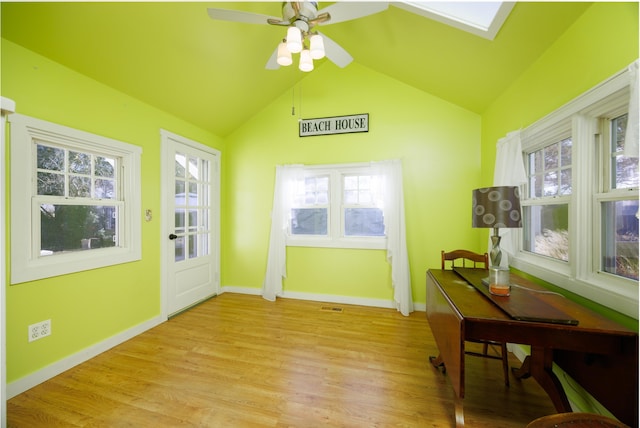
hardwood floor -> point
(241, 361)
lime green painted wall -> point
(603, 41)
(87, 307)
(437, 142)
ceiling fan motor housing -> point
(304, 10)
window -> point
(580, 210)
(337, 206)
(618, 212)
(75, 203)
(546, 210)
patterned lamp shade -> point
(497, 207)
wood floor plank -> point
(241, 361)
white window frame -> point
(581, 275)
(26, 262)
(335, 237)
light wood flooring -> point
(241, 361)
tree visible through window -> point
(620, 216)
(546, 217)
(74, 190)
(75, 200)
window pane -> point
(551, 157)
(179, 251)
(50, 184)
(363, 222)
(180, 196)
(79, 163)
(76, 227)
(624, 169)
(180, 165)
(50, 158)
(79, 187)
(104, 189)
(309, 221)
(546, 230)
(105, 167)
(193, 246)
(620, 238)
(316, 191)
(550, 170)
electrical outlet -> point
(39, 330)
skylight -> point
(483, 19)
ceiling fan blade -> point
(346, 11)
(272, 64)
(335, 53)
(240, 16)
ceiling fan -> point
(301, 19)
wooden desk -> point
(599, 354)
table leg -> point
(438, 363)
(459, 412)
(539, 365)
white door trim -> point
(166, 191)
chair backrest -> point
(467, 259)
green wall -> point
(446, 151)
(87, 307)
(599, 44)
(437, 142)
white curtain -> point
(286, 177)
(393, 208)
(397, 256)
(631, 138)
(509, 171)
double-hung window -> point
(616, 202)
(337, 206)
(546, 209)
(75, 200)
(580, 204)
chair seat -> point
(576, 420)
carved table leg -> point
(539, 365)
(524, 371)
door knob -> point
(172, 236)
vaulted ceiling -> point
(211, 73)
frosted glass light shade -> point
(306, 62)
(284, 56)
(294, 40)
(317, 46)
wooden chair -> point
(465, 258)
(576, 420)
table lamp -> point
(496, 207)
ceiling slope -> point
(171, 55)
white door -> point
(190, 217)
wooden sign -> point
(334, 125)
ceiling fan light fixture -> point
(294, 40)
(284, 56)
(317, 46)
(306, 62)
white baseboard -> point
(328, 298)
(25, 383)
